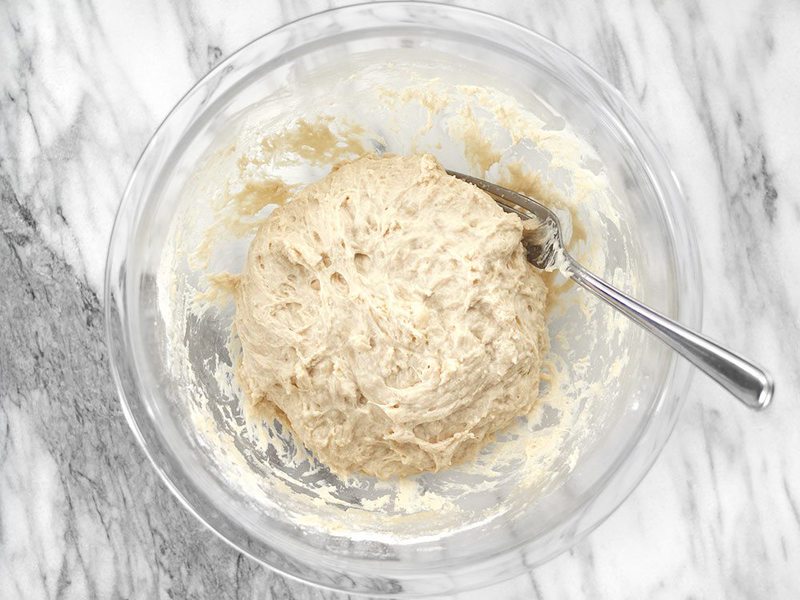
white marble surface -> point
(83, 86)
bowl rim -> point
(687, 269)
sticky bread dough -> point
(388, 316)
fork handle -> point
(749, 383)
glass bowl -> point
(639, 412)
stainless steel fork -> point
(544, 244)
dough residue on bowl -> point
(388, 315)
(275, 152)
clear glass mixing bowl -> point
(643, 409)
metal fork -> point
(545, 248)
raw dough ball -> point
(387, 314)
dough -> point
(388, 316)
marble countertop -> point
(84, 84)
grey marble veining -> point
(83, 85)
